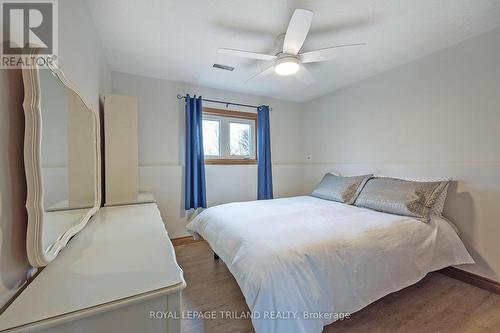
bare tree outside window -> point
(211, 137)
(240, 139)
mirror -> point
(68, 152)
(62, 161)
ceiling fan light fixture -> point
(288, 59)
(286, 66)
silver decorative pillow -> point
(439, 206)
(401, 197)
(341, 189)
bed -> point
(304, 262)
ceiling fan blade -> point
(246, 54)
(265, 72)
(323, 54)
(297, 31)
(305, 76)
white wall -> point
(81, 55)
(438, 116)
(161, 147)
(82, 60)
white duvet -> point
(302, 257)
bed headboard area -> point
(422, 120)
(470, 204)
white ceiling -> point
(177, 40)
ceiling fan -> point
(288, 60)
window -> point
(211, 137)
(229, 137)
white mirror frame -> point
(38, 256)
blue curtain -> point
(194, 180)
(265, 177)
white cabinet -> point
(109, 278)
(121, 150)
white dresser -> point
(110, 278)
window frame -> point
(245, 118)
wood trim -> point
(230, 113)
(185, 240)
(231, 161)
(473, 279)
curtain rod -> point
(224, 102)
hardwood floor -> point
(435, 304)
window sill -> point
(230, 162)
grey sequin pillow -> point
(401, 197)
(341, 189)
